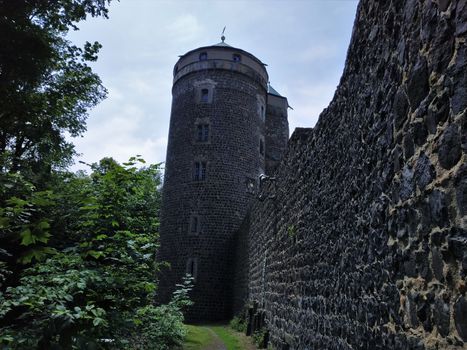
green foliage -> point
(260, 337)
(46, 85)
(291, 231)
(77, 261)
(98, 281)
(239, 324)
(54, 297)
(161, 327)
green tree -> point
(46, 85)
(46, 89)
(99, 283)
(77, 267)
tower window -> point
(199, 171)
(203, 56)
(236, 57)
(262, 113)
(204, 95)
(202, 134)
(192, 267)
(194, 225)
(261, 147)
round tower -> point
(216, 151)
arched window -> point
(194, 225)
(202, 133)
(204, 95)
(199, 171)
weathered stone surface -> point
(457, 243)
(359, 242)
(461, 190)
(459, 97)
(424, 171)
(443, 4)
(408, 146)
(418, 87)
(438, 208)
(437, 264)
(441, 317)
(419, 133)
(460, 317)
(407, 184)
(411, 311)
(401, 107)
(464, 263)
(449, 151)
(463, 119)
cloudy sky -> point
(304, 43)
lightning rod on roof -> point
(223, 36)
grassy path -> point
(215, 337)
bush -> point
(239, 324)
(260, 338)
(87, 277)
(161, 327)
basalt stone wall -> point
(361, 241)
(200, 216)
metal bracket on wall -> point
(262, 192)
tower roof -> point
(222, 44)
(273, 91)
(221, 56)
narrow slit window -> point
(202, 134)
(194, 225)
(262, 113)
(199, 171)
(261, 147)
(203, 56)
(192, 267)
(204, 95)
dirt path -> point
(217, 343)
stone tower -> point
(227, 127)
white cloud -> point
(316, 53)
(304, 43)
(309, 102)
(184, 29)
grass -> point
(230, 340)
(200, 337)
(197, 338)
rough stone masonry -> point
(361, 242)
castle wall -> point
(364, 245)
